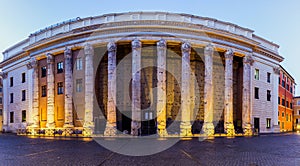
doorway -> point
(256, 125)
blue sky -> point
(275, 20)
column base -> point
(67, 125)
(162, 132)
(185, 129)
(50, 125)
(248, 130)
(110, 129)
(208, 129)
(33, 129)
(229, 129)
(135, 128)
(88, 129)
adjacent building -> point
(285, 100)
(1, 105)
(142, 73)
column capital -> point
(186, 47)
(209, 49)
(229, 54)
(88, 49)
(50, 58)
(136, 44)
(111, 47)
(248, 59)
(161, 44)
(68, 53)
(32, 63)
(276, 70)
(3, 75)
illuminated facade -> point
(296, 117)
(146, 73)
(285, 100)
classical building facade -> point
(296, 114)
(141, 73)
(1, 105)
(285, 100)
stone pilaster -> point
(50, 91)
(89, 90)
(33, 65)
(275, 75)
(136, 87)
(161, 87)
(185, 126)
(208, 127)
(248, 61)
(68, 89)
(228, 111)
(5, 100)
(111, 123)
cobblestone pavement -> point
(283, 149)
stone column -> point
(161, 87)
(208, 127)
(111, 123)
(5, 101)
(248, 61)
(185, 126)
(89, 90)
(33, 64)
(228, 112)
(68, 89)
(136, 87)
(50, 91)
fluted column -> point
(208, 127)
(50, 91)
(111, 123)
(89, 90)
(161, 87)
(68, 89)
(228, 112)
(248, 61)
(136, 87)
(185, 126)
(33, 64)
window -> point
(282, 114)
(23, 115)
(79, 64)
(1, 112)
(298, 102)
(268, 123)
(287, 117)
(299, 112)
(291, 105)
(296, 121)
(279, 80)
(23, 77)
(282, 125)
(0, 100)
(44, 91)
(1, 90)
(283, 83)
(23, 95)
(11, 117)
(44, 71)
(287, 104)
(291, 89)
(11, 81)
(268, 95)
(11, 98)
(290, 117)
(278, 100)
(256, 93)
(287, 86)
(283, 102)
(256, 76)
(78, 85)
(269, 77)
(60, 88)
(60, 67)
